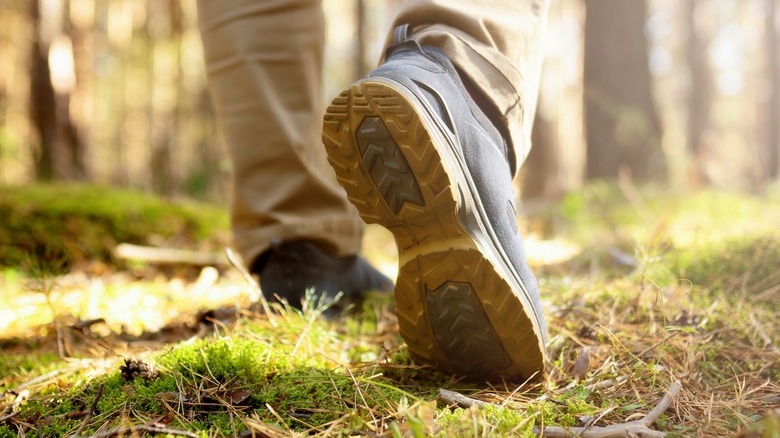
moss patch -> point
(59, 225)
(18, 364)
(216, 385)
(697, 303)
(750, 262)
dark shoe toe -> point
(288, 270)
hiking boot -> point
(419, 157)
(287, 270)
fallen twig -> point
(91, 411)
(13, 409)
(638, 428)
(9, 416)
(153, 254)
(456, 398)
(133, 430)
(21, 396)
(42, 378)
(604, 384)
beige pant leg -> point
(497, 44)
(264, 67)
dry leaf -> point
(582, 364)
(236, 396)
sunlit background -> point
(113, 91)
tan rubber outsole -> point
(455, 310)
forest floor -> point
(662, 314)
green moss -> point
(744, 262)
(488, 421)
(196, 375)
(224, 360)
(52, 415)
(58, 225)
(293, 380)
(603, 213)
(12, 364)
(595, 213)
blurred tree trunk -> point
(176, 152)
(773, 71)
(71, 129)
(42, 102)
(700, 97)
(60, 150)
(543, 166)
(621, 124)
(166, 117)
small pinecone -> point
(133, 368)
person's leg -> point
(429, 151)
(291, 223)
(497, 45)
(264, 66)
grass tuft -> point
(664, 288)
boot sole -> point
(455, 308)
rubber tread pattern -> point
(461, 328)
(386, 164)
(487, 334)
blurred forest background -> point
(684, 93)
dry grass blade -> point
(260, 429)
(41, 379)
(135, 430)
(604, 384)
(233, 259)
(91, 410)
(276, 414)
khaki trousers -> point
(264, 66)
